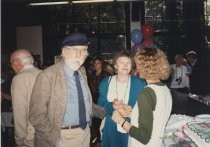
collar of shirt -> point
(27, 67)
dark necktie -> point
(82, 113)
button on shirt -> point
(71, 116)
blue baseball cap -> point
(75, 39)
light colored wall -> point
(30, 37)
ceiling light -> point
(98, 1)
(90, 1)
(77, 2)
(67, 2)
(49, 3)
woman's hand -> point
(125, 110)
(117, 104)
(117, 117)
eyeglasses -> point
(75, 49)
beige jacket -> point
(48, 104)
(21, 89)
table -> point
(203, 99)
(189, 105)
(174, 135)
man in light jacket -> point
(54, 108)
(21, 62)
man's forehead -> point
(77, 47)
(122, 58)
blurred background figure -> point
(108, 66)
(37, 62)
(7, 127)
(99, 72)
(179, 75)
(22, 61)
(188, 66)
(198, 78)
(88, 64)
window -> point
(104, 23)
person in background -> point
(198, 79)
(37, 62)
(61, 103)
(152, 110)
(119, 92)
(6, 98)
(98, 74)
(88, 64)
(109, 67)
(7, 125)
(187, 65)
(21, 62)
(179, 74)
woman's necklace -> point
(125, 89)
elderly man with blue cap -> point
(61, 104)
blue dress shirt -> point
(71, 116)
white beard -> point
(74, 65)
